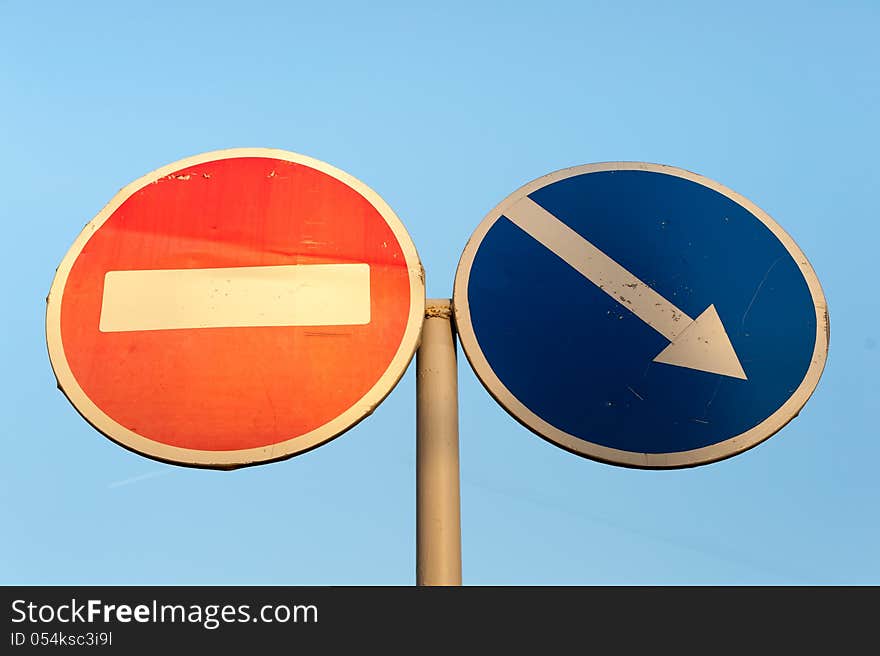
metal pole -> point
(438, 505)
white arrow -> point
(700, 343)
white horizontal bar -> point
(293, 295)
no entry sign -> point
(235, 307)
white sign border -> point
(674, 460)
(232, 459)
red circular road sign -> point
(236, 307)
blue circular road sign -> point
(641, 315)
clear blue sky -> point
(444, 110)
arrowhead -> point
(704, 346)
